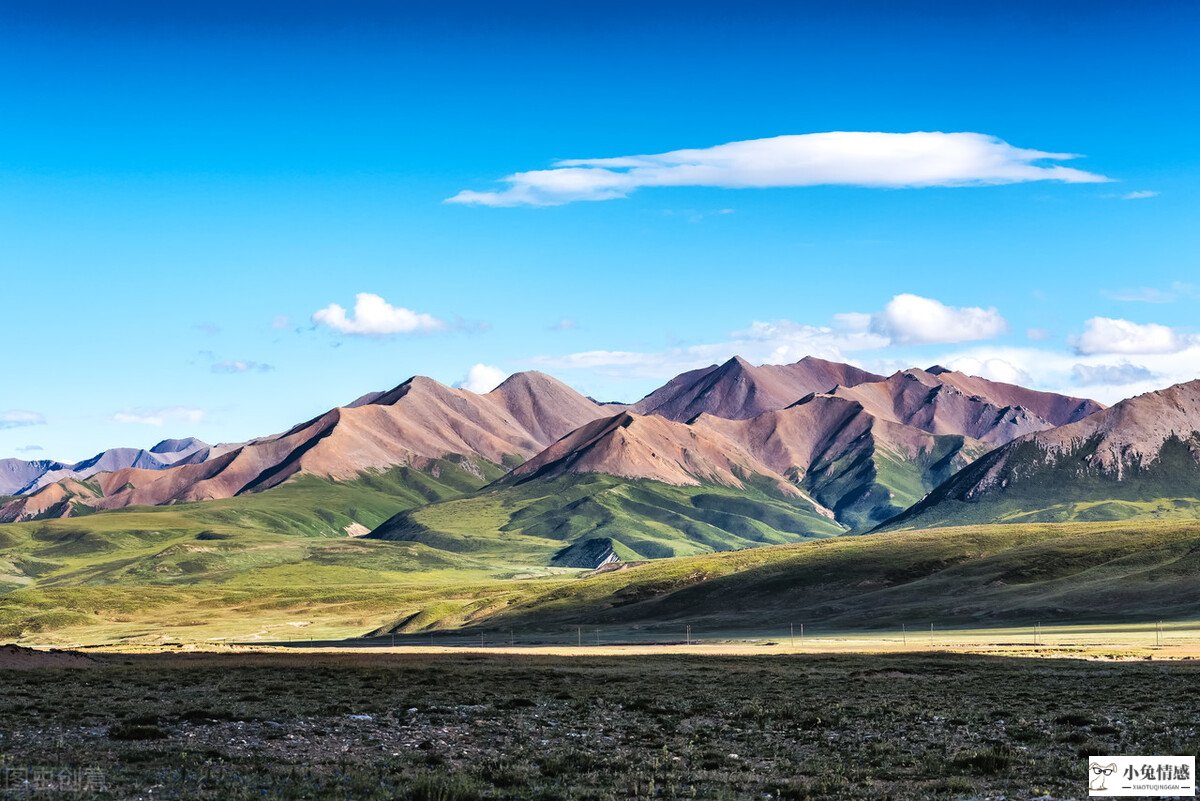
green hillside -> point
(106, 547)
(195, 588)
(548, 521)
(956, 576)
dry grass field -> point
(608, 723)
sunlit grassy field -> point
(162, 585)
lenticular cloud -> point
(847, 158)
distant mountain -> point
(1140, 458)
(1051, 407)
(19, 477)
(738, 389)
(944, 402)
(414, 424)
(16, 474)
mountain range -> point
(20, 477)
(1139, 458)
(728, 456)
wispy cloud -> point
(20, 418)
(239, 366)
(159, 416)
(1139, 195)
(848, 158)
(374, 316)
(30, 449)
(565, 324)
(1088, 375)
(1150, 294)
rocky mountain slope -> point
(863, 468)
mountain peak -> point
(527, 379)
(178, 445)
(417, 383)
(737, 362)
(738, 390)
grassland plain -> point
(155, 584)
(468, 726)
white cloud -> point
(1108, 335)
(30, 449)
(1139, 195)
(240, 366)
(993, 369)
(912, 319)
(482, 378)
(1037, 334)
(159, 416)
(20, 418)
(374, 316)
(281, 321)
(848, 158)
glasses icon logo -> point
(1100, 773)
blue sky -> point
(183, 186)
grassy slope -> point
(980, 575)
(642, 519)
(292, 538)
(870, 485)
(1038, 489)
